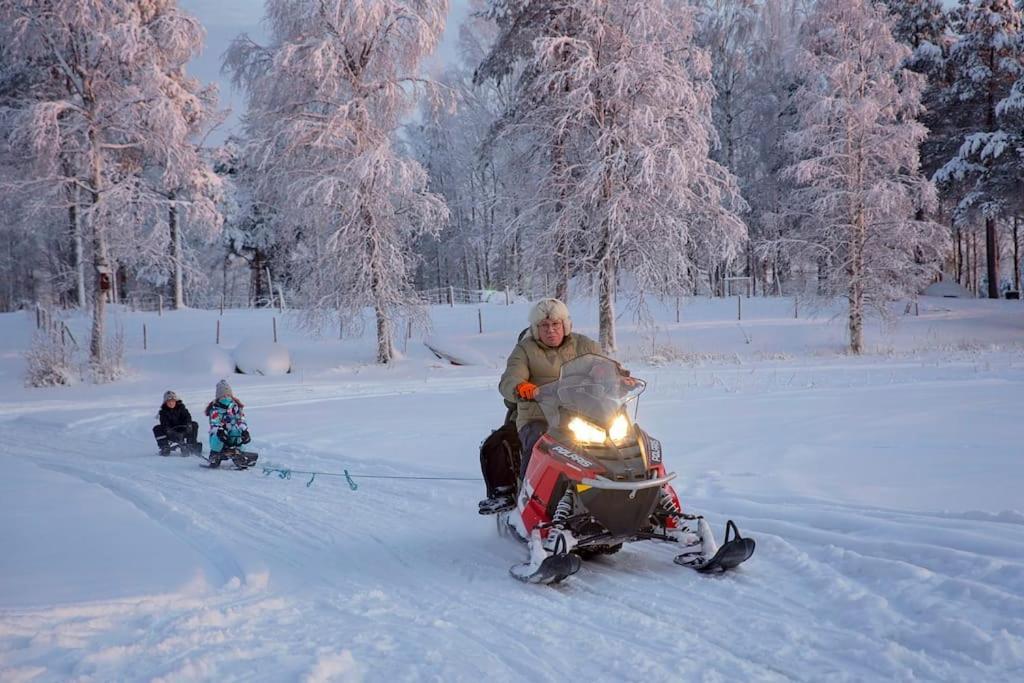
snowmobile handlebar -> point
(600, 482)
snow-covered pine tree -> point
(617, 99)
(856, 162)
(985, 62)
(325, 99)
(102, 76)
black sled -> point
(242, 460)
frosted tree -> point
(326, 97)
(985, 62)
(479, 178)
(621, 92)
(856, 162)
(103, 117)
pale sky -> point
(226, 19)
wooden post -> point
(160, 304)
(451, 296)
(274, 321)
(39, 322)
(145, 339)
(739, 307)
(796, 307)
(507, 301)
(408, 330)
(677, 309)
(480, 319)
(218, 331)
(341, 328)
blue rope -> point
(286, 473)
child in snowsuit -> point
(227, 421)
(176, 425)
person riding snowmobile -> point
(176, 425)
(227, 420)
(536, 360)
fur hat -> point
(170, 396)
(551, 309)
(224, 390)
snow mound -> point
(948, 289)
(207, 358)
(258, 357)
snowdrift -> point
(257, 357)
(948, 289)
(207, 358)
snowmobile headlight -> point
(585, 432)
(619, 429)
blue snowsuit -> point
(226, 413)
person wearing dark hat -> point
(176, 425)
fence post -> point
(677, 309)
(159, 304)
(38, 319)
(507, 302)
(218, 331)
(274, 321)
(480, 319)
(796, 307)
(145, 340)
(341, 328)
(451, 296)
(739, 307)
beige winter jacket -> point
(532, 361)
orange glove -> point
(526, 391)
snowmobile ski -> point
(732, 553)
(554, 569)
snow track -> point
(402, 580)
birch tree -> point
(623, 94)
(856, 162)
(326, 97)
(99, 109)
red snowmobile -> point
(596, 480)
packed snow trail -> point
(403, 580)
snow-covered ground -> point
(884, 493)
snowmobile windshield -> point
(591, 385)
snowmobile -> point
(596, 480)
(232, 451)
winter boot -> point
(502, 499)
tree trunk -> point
(1016, 256)
(958, 256)
(991, 258)
(78, 248)
(172, 220)
(101, 267)
(606, 304)
(856, 293)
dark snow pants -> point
(165, 435)
(529, 434)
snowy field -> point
(884, 493)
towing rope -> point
(286, 473)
